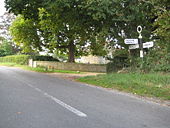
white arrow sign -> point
(148, 44)
(131, 41)
(134, 46)
(145, 45)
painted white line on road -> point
(66, 106)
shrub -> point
(163, 64)
(119, 60)
(23, 59)
(44, 58)
(117, 64)
(18, 59)
(155, 61)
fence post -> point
(30, 62)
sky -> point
(2, 8)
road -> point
(36, 100)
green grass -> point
(39, 69)
(150, 85)
(11, 64)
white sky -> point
(2, 8)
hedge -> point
(116, 64)
(43, 58)
(23, 59)
(18, 59)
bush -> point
(155, 61)
(163, 64)
(23, 59)
(18, 59)
(117, 64)
(119, 60)
(44, 58)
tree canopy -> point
(162, 23)
(78, 27)
(24, 33)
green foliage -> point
(78, 27)
(18, 59)
(119, 60)
(157, 60)
(163, 28)
(121, 53)
(162, 23)
(68, 29)
(70, 25)
(113, 67)
(24, 33)
(23, 59)
(112, 17)
(116, 64)
(43, 58)
(6, 48)
(27, 7)
(151, 85)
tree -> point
(24, 33)
(120, 18)
(162, 23)
(60, 34)
(60, 28)
(29, 8)
(72, 25)
(7, 48)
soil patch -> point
(72, 77)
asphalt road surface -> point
(37, 100)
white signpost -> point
(145, 45)
(137, 43)
(148, 44)
(134, 46)
(131, 41)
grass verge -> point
(149, 85)
(39, 69)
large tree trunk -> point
(71, 52)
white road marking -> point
(66, 106)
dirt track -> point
(74, 76)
